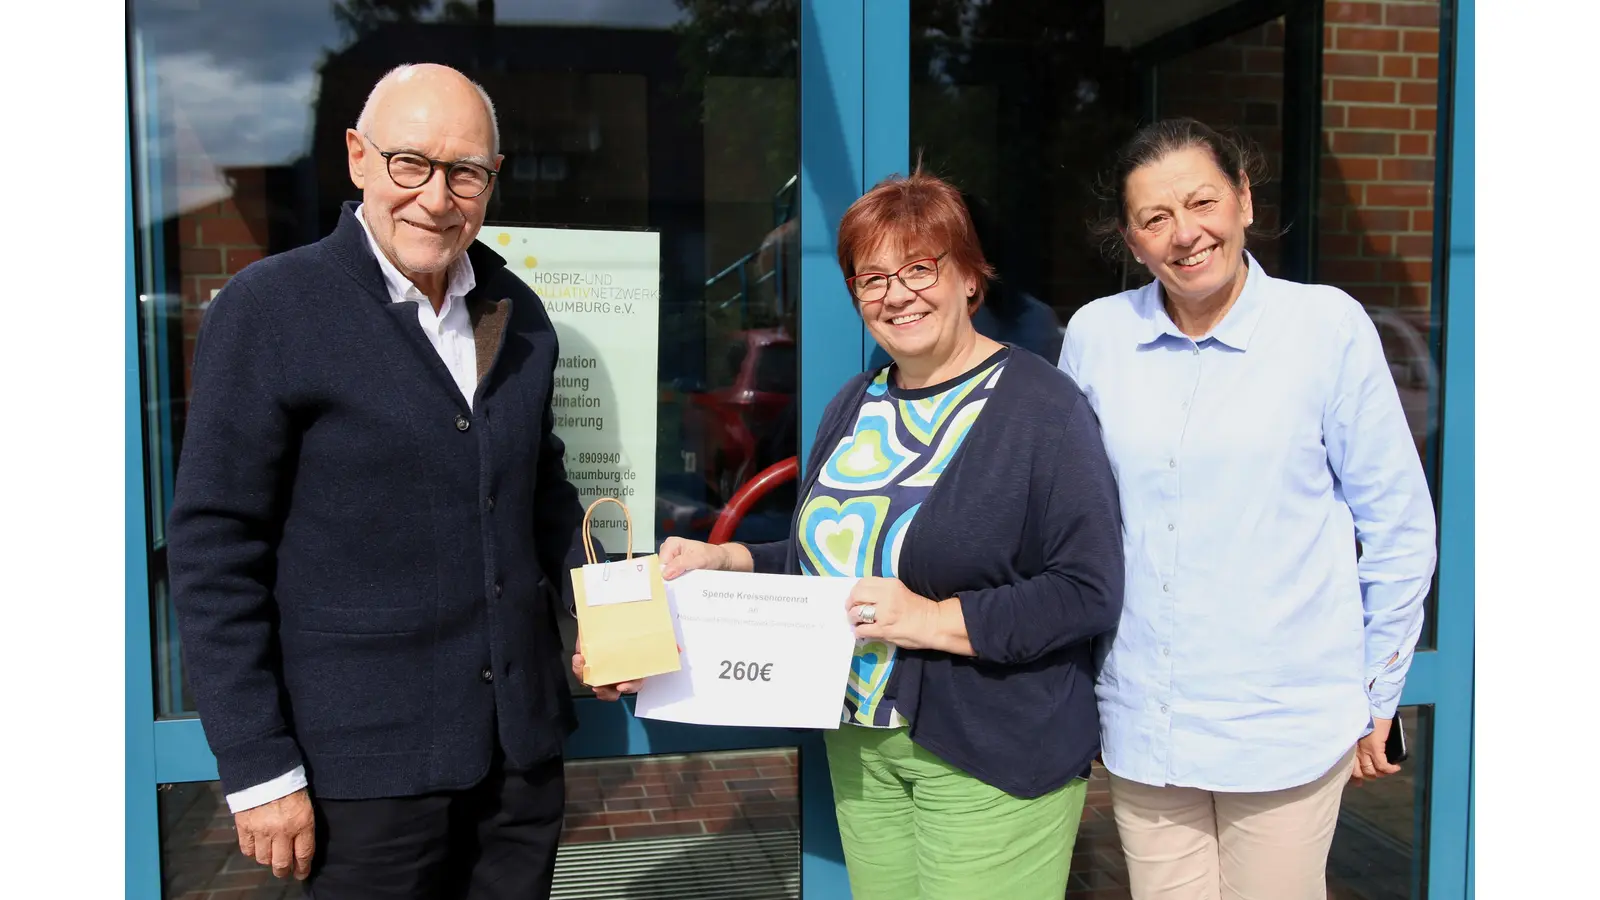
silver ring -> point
(867, 614)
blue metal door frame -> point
(1451, 840)
(142, 842)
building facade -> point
(737, 133)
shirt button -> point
(1170, 526)
(489, 502)
(487, 676)
(1166, 651)
(1163, 707)
(462, 424)
(498, 590)
(1171, 463)
(1167, 588)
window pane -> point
(1022, 104)
(1375, 234)
(1019, 104)
(200, 850)
(669, 118)
(1379, 848)
(705, 825)
(702, 825)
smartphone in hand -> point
(1394, 749)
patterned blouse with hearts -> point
(853, 523)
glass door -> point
(733, 135)
(1021, 102)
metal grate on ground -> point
(729, 866)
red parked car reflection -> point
(744, 422)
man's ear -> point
(356, 155)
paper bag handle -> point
(627, 518)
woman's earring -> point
(1138, 260)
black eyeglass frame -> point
(449, 167)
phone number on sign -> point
(611, 458)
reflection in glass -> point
(702, 825)
(1019, 104)
(200, 850)
(675, 116)
(1380, 850)
(1022, 102)
(1376, 219)
(722, 824)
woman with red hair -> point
(964, 485)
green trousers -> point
(917, 828)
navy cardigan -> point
(1024, 527)
(364, 566)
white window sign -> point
(602, 290)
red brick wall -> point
(215, 241)
(1380, 90)
(1380, 97)
(1375, 204)
(607, 800)
(619, 799)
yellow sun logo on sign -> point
(531, 262)
(504, 239)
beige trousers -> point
(1189, 844)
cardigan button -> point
(487, 675)
(462, 424)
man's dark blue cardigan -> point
(363, 565)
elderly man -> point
(371, 517)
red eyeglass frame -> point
(849, 282)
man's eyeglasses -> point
(917, 275)
(413, 170)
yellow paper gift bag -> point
(624, 624)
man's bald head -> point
(428, 76)
(440, 125)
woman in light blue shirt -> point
(1256, 435)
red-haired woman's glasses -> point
(917, 275)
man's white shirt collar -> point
(461, 280)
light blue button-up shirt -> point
(1254, 648)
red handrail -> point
(762, 484)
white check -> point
(769, 651)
